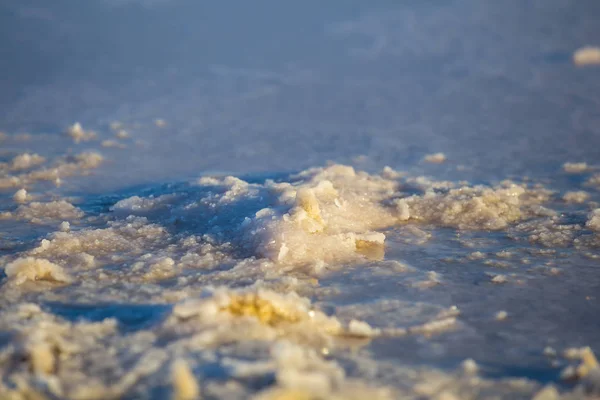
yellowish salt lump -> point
(78, 134)
(33, 269)
(575, 168)
(20, 196)
(588, 55)
(185, 385)
(26, 161)
(326, 216)
(436, 158)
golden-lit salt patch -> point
(588, 55)
(78, 134)
(26, 161)
(576, 197)
(185, 385)
(575, 168)
(34, 269)
(436, 158)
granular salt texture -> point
(26, 161)
(55, 210)
(78, 134)
(549, 232)
(472, 207)
(576, 197)
(587, 55)
(302, 374)
(76, 165)
(34, 269)
(436, 158)
(133, 236)
(575, 168)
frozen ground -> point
(169, 280)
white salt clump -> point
(65, 226)
(20, 196)
(575, 168)
(588, 55)
(79, 134)
(185, 385)
(470, 207)
(436, 158)
(499, 278)
(26, 161)
(324, 216)
(576, 197)
(593, 221)
(54, 210)
(33, 269)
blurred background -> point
(277, 86)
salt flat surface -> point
(308, 201)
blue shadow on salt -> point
(131, 317)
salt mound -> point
(34, 269)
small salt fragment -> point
(499, 279)
(79, 134)
(161, 123)
(436, 158)
(65, 226)
(122, 134)
(587, 55)
(20, 196)
(549, 351)
(470, 367)
(575, 168)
